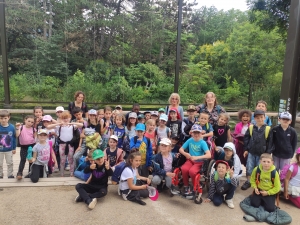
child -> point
(188, 122)
(145, 148)
(207, 129)
(119, 108)
(262, 105)
(41, 155)
(141, 119)
(118, 129)
(283, 141)
(105, 124)
(265, 187)
(65, 131)
(27, 135)
(77, 113)
(244, 116)
(175, 146)
(255, 144)
(174, 123)
(38, 116)
(84, 161)
(59, 110)
(113, 116)
(130, 128)
(154, 116)
(161, 111)
(222, 183)
(147, 115)
(292, 184)
(97, 187)
(222, 130)
(128, 181)
(165, 160)
(162, 131)
(150, 133)
(100, 114)
(7, 143)
(198, 151)
(113, 154)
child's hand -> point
(245, 154)
(77, 149)
(193, 158)
(144, 186)
(82, 135)
(107, 164)
(150, 168)
(177, 155)
(286, 195)
(264, 193)
(107, 124)
(18, 125)
(169, 174)
(207, 200)
(93, 165)
(13, 151)
(257, 191)
(148, 181)
(55, 165)
(231, 172)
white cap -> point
(59, 108)
(114, 137)
(132, 115)
(165, 141)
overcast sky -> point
(224, 4)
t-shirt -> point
(93, 126)
(66, 132)
(295, 181)
(112, 157)
(151, 137)
(27, 136)
(126, 174)
(130, 133)
(43, 153)
(244, 129)
(175, 127)
(162, 133)
(220, 132)
(106, 134)
(167, 161)
(119, 132)
(196, 148)
(51, 136)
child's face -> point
(29, 122)
(191, 114)
(100, 115)
(38, 113)
(136, 109)
(259, 119)
(261, 106)
(285, 122)
(58, 114)
(222, 169)
(222, 121)
(107, 114)
(154, 117)
(99, 161)
(196, 135)
(151, 126)
(78, 115)
(112, 143)
(139, 133)
(162, 123)
(119, 121)
(203, 119)
(141, 120)
(147, 116)
(173, 115)
(164, 148)
(132, 120)
(245, 118)
(66, 120)
(4, 120)
(266, 163)
(46, 123)
(136, 161)
(228, 152)
(42, 137)
(92, 117)
(174, 141)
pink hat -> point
(298, 151)
(47, 118)
(153, 193)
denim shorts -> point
(252, 162)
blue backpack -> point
(118, 171)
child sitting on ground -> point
(84, 161)
(113, 153)
(265, 185)
(97, 186)
(222, 183)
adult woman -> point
(211, 107)
(79, 102)
(174, 101)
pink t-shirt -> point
(151, 137)
(26, 136)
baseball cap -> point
(132, 115)
(221, 161)
(196, 127)
(165, 141)
(92, 112)
(154, 113)
(47, 118)
(140, 126)
(161, 110)
(141, 116)
(163, 117)
(258, 112)
(285, 115)
(191, 108)
(97, 154)
(42, 131)
(153, 193)
(173, 110)
(59, 108)
(147, 112)
(118, 106)
(114, 137)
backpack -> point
(267, 131)
(118, 172)
(258, 172)
(19, 145)
(285, 169)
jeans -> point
(87, 192)
(9, 162)
(78, 155)
(156, 180)
(219, 198)
(268, 202)
(252, 162)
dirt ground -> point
(55, 205)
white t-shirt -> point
(244, 129)
(162, 133)
(295, 181)
(126, 174)
(66, 132)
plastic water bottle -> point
(29, 153)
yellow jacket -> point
(91, 142)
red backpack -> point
(285, 169)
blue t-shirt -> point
(8, 138)
(196, 148)
(207, 129)
(267, 120)
(120, 133)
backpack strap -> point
(273, 174)
(155, 131)
(250, 129)
(267, 131)
(207, 126)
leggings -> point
(37, 172)
(190, 169)
(23, 155)
(63, 158)
(88, 191)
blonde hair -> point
(266, 156)
(213, 95)
(149, 122)
(121, 116)
(226, 115)
(174, 95)
(99, 111)
(262, 102)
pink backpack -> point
(286, 169)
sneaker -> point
(27, 176)
(19, 176)
(230, 203)
(78, 199)
(187, 190)
(93, 203)
(174, 190)
(11, 176)
(67, 168)
(139, 201)
(246, 185)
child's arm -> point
(18, 131)
(102, 127)
(54, 158)
(185, 146)
(229, 139)
(210, 134)
(76, 124)
(79, 145)
(212, 190)
(51, 126)
(134, 187)
(206, 156)
(33, 157)
(286, 183)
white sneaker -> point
(92, 203)
(67, 168)
(230, 203)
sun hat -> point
(153, 193)
(97, 154)
(92, 112)
(132, 115)
(191, 108)
(285, 115)
(118, 106)
(196, 127)
(140, 127)
(161, 110)
(47, 118)
(165, 141)
(42, 131)
(163, 117)
(59, 109)
(114, 137)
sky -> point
(224, 4)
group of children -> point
(155, 143)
